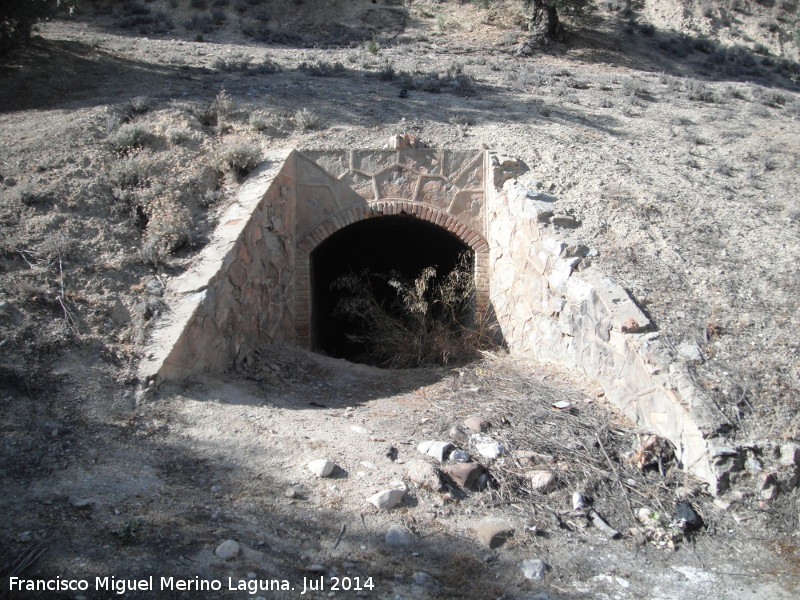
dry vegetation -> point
(671, 135)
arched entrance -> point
(398, 243)
(388, 235)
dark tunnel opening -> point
(397, 243)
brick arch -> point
(322, 231)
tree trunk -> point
(543, 25)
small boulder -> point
(486, 446)
(424, 580)
(533, 568)
(227, 550)
(477, 424)
(542, 481)
(493, 532)
(436, 449)
(387, 499)
(461, 456)
(423, 474)
(398, 536)
(459, 433)
(464, 474)
(321, 467)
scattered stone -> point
(464, 474)
(542, 481)
(533, 568)
(578, 501)
(722, 504)
(691, 352)
(424, 474)
(81, 502)
(493, 532)
(436, 449)
(321, 467)
(154, 287)
(603, 525)
(790, 454)
(458, 433)
(526, 457)
(227, 550)
(398, 536)
(387, 499)
(769, 493)
(687, 517)
(359, 429)
(461, 456)
(477, 424)
(424, 580)
(565, 221)
(653, 450)
(315, 568)
(292, 492)
(561, 405)
(486, 446)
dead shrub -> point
(424, 321)
(306, 119)
(168, 226)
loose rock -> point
(424, 474)
(685, 513)
(477, 424)
(533, 568)
(486, 446)
(227, 550)
(398, 536)
(424, 580)
(387, 499)
(81, 502)
(436, 449)
(461, 456)
(321, 467)
(543, 481)
(493, 532)
(459, 433)
(465, 474)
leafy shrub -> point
(322, 68)
(140, 104)
(168, 226)
(212, 114)
(424, 321)
(129, 172)
(177, 136)
(131, 136)
(239, 157)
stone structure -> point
(251, 285)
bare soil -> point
(680, 161)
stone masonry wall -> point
(551, 305)
(238, 294)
